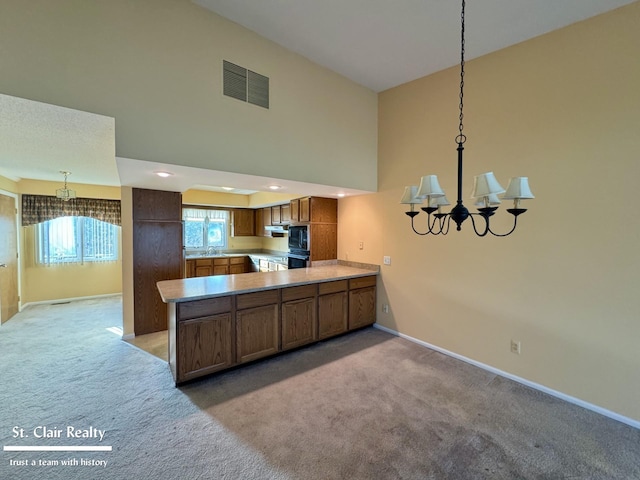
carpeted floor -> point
(364, 406)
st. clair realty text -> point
(67, 432)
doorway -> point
(9, 298)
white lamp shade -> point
(493, 200)
(518, 188)
(439, 202)
(409, 196)
(485, 185)
(429, 187)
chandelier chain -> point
(461, 138)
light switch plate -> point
(386, 260)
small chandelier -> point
(65, 193)
(485, 189)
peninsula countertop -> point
(198, 288)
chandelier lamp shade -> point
(487, 191)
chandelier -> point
(65, 193)
(485, 188)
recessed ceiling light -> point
(163, 174)
(275, 187)
(341, 194)
(227, 188)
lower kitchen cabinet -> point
(204, 345)
(332, 308)
(362, 302)
(257, 325)
(299, 325)
(216, 333)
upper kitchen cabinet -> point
(275, 215)
(285, 214)
(263, 218)
(314, 210)
(243, 222)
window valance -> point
(40, 208)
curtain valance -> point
(40, 208)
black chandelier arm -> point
(441, 219)
(486, 224)
(513, 211)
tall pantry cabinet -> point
(157, 254)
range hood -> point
(277, 228)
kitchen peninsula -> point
(219, 322)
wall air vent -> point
(245, 85)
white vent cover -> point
(245, 85)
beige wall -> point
(40, 283)
(562, 109)
(159, 75)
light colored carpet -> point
(364, 406)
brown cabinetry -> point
(299, 325)
(323, 241)
(206, 336)
(275, 215)
(243, 222)
(304, 210)
(285, 214)
(157, 254)
(294, 210)
(332, 308)
(257, 325)
(362, 302)
(204, 267)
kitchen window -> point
(205, 228)
(74, 239)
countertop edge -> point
(168, 284)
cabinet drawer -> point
(236, 260)
(221, 261)
(332, 287)
(202, 308)
(296, 293)
(257, 299)
(362, 282)
(203, 262)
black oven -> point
(298, 258)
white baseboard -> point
(568, 398)
(129, 336)
(71, 299)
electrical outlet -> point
(515, 347)
(386, 260)
(385, 308)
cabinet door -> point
(190, 269)
(266, 220)
(323, 241)
(332, 314)
(299, 325)
(304, 211)
(204, 346)
(323, 210)
(237, 268)
(257, 332)
(276, 218)
(362, 307)
(157, 255)
(294, 206)
(203, 267)
(244, 223)
(285, 214)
